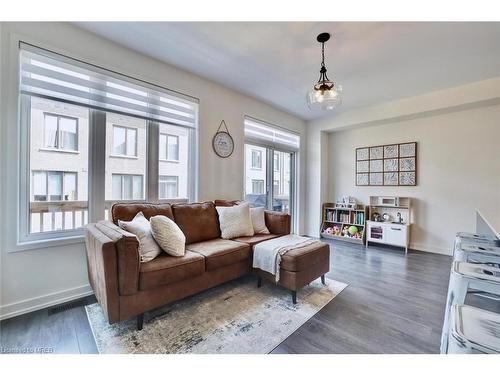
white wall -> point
(458, 170)
(35, 278)
(457, 131)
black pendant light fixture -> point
(325, 95)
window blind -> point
(268, 135)
(53, 76)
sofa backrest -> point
(226, 203)
(127, 211)
(198, 221)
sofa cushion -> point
(168, 235)
(235, 221)
(198, 221)
(166, 269)
(305, 257)
(127, 211)
(140, 226)
(220, 253)
(259, 220)
(254, 240)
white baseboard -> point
(37, 303)
(431, 249)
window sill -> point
(170, 160)
(59, 150)
(255, 169)
(49, 242)
(123, 156)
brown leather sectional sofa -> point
(126, 288)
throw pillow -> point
(168, 235)
(258, 220)
(235, 221)
(148, 248)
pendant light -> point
(325, 95)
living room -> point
(192, 187)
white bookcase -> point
(391, 231)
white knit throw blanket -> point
(267, 255)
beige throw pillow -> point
(259, 220)
(235, 221)
(148, 248)
(168, 235)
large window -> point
(60, 132)
(106, 124)
(124, 141)
(271, 186)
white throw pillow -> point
(235, 221)
(168, 235)
(259, 220)
(148, 248)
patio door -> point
(269, 178)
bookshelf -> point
(336, 221)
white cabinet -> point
(388, 233)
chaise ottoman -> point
(299, 267)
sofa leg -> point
(259, 282)
(140, 321)
(294, 297)
(323, 280)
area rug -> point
(236, 317)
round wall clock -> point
(222, 142)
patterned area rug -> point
(236, 317)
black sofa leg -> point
(323, 280)
(294, 297)
(259, 282)
(140, 321)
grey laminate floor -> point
(394, 304)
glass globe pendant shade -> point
(324, 98)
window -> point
(273, 186)
(127, 187)
(124, 141)
(256, 159)
(174, 179)
(169, 147)
(69, 105)
(276, 163)
(54, 186)
(257, 186)
(60, 132)
(276, 187)
(169, 187)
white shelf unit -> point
(391, 231)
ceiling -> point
(278, 62)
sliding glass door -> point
(269, 178)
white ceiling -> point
(279, 62)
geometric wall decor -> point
(387, 165)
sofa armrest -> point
(113, 264)
(277, 222)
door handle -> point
(395, 228)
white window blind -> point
(268, 135)
(53, 76)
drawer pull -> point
(395, 228)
